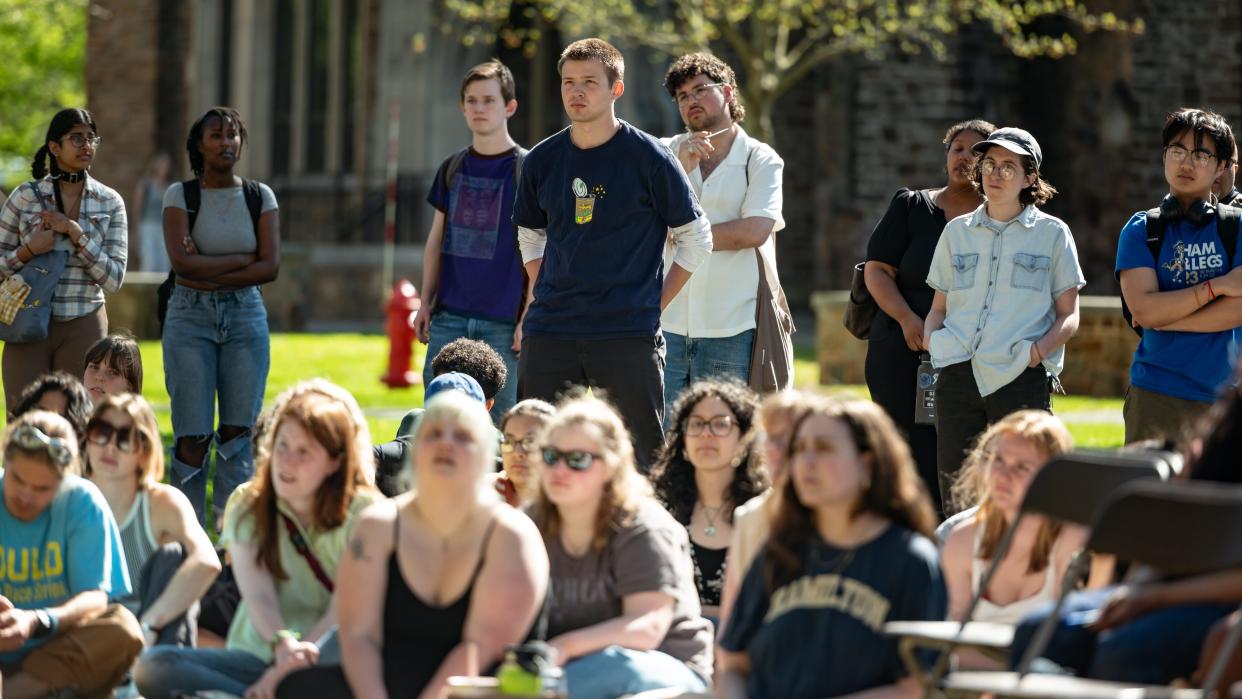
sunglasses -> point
(100, 432)
(576, 460)
(31, 438)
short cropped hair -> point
(491, 70)
(1201, 123)
(595, 50)
(692, 65)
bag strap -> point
(1227, 224)
(299, 544)
(1156, 226)
(193, 200)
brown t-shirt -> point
(652, 554)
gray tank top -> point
(139, 543)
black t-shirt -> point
(820, 635)
(606, 211)
(906, 238)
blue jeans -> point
(447, 326)
(1155, 648)
(167, 672)
(216, 349)
(616, 671)
(691, 359)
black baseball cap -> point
(1014, 140)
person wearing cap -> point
(1006, 280)
(1185, 299)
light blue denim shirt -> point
(1001, 291)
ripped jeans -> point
(216, 350)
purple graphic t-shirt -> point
(480, 268)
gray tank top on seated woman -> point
(223, 226)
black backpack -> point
(457, 161)
(1227, 224)
(193, 200)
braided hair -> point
(62, 123)
(226, 115)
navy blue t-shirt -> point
(820, 635)
(1187, 365)
(480, 267)
(606, 211)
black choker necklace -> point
(71, 177)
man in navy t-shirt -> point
(1186, 299)
(473, 282)
(595, 205)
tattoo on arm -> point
(356, 549)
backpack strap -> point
(193, 200)
(1227, 224)
(1156, 226)
(254, 202)
(453, 166)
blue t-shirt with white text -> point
(1187, 365)
(73, 547)
(480, 268)
(606, 211)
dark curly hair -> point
(77, 400)
(225, 115)
(474, 359)
(673, 474)
(692, 65)
(979, 126)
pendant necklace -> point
(711, 513)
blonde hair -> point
(461, 409)
(1046, 433)
(151, 452)
(625, 489)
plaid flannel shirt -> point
(96, 267)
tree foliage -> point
(44, 47)
(779, 42)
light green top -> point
(303, 599)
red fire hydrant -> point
(402, 306)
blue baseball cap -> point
(454, 381)
(1014, 140)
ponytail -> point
(38, 167)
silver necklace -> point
(711, 513)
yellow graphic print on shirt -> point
(584, 200)
(29, 576)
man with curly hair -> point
(709, 328)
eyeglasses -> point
(1006, 171)
(78, 140)
(1176, 154)
(576, 460)
(525, 445)
(696, 93)
(31, 438)
(721, 426)
(100, 432)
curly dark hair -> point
(225, 115)
(979, 126)
(673, 474)
(692, 65)
(77, 400)
(1038, 193)
(474, 359)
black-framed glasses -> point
(78, 140)
(575, 459)
(100, 432)
(696, 93)
(31, 438)
(1006, 171)
(1176, 153)
(525, 445)
(721, 426)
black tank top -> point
(420, 636)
